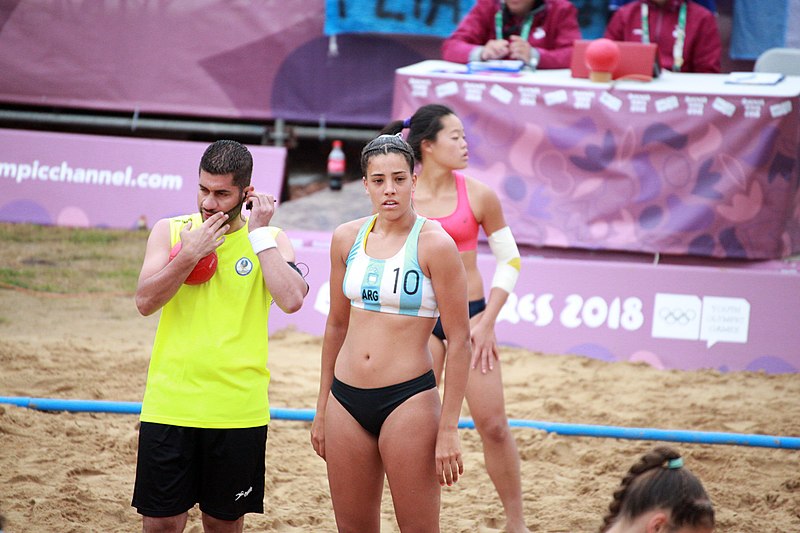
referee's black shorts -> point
(221, 469)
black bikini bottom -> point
(475, 307)
(371, 407)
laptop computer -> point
(637, 61)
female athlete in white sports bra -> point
(379, 411)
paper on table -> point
(754, 78)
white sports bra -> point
(395, 285)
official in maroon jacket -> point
(686, 33)
(539, 32)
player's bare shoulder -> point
(160, 233)
(485, 204)
(345, 234)
(480, 192)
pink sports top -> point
(461, 224)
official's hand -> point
(494, 49)
(262, 208)
(519, 49)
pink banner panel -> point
(686, 164)
(249, 60)
(715, 315)
(116, 182)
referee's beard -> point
(237, 209)
(233, 213)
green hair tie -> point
(675, 463)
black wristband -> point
(294, 266)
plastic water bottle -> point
(336, 166)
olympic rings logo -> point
(681, 317)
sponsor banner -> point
(666, 315)
(116, 182)
(432, 17)
(438, 18)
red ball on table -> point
(602, 57)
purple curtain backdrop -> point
(251, 60)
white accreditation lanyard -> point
(680, 34)
(524, 32)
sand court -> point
(73, 472)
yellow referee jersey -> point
(208, 367)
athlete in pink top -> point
(464, 205)
(461, 223)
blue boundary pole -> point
(578, 430)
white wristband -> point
(261, 239)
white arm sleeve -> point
(505, 251)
